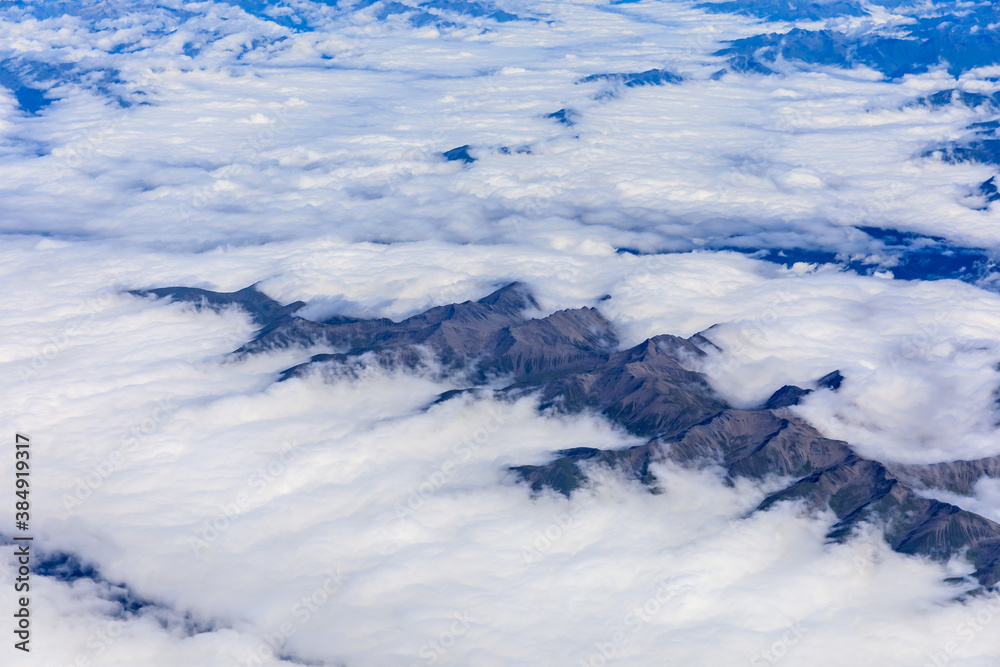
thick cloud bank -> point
(811, 188)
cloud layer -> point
(299, 145)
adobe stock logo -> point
(780, 647)
(431, 650)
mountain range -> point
(572, 361)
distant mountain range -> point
(572, 361)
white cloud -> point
(207, 488)
(367, 487)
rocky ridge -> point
(571, 359)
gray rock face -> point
(956, 476)
(790, 395)
(571, 359)
(456, 333)
(263, 309)
(646, 389)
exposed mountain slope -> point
(570, 358)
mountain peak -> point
(512, 297)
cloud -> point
(351, 478)
(347, 522)
(366, 488)
(802, 153)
